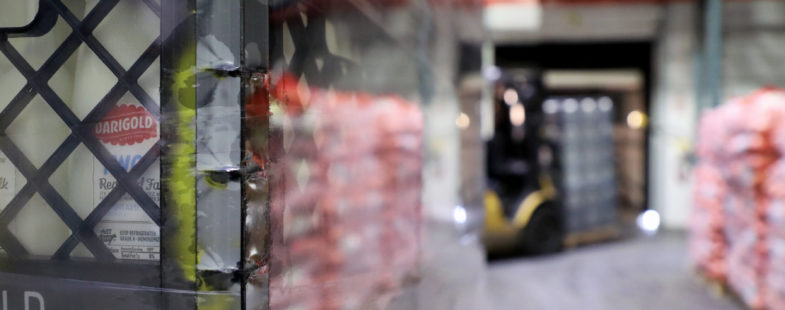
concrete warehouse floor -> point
(638, 273)
(635, 273)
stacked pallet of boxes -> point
(740, 144)
(346, 224)
(583, 133)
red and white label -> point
(126, 125)
(128, 131)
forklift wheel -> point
(545, 232)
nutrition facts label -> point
(7, 181)
(129, 240)
(126, 229)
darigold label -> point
(128, 132)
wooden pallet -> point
(721, 290)
(591, 236)
(718, 287)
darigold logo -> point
(126, 125)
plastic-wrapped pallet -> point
(747, 156)
(774, 279)
(737, 188)
(707, 238)
(582, 133)
(346, 224)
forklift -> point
(523, 213)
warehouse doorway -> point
(616, 72)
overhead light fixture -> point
(648, 221)
(463, 121)
(550, 106)
(510, 96)
(636, 119)
(588, 105)
(605, 104)
(459, 215)
(570, 105)
(517, 115)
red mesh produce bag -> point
(346, 222)
(739, 187)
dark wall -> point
(586, 56)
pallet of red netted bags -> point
(775, 218)
(746, 173)
(748, 149)
(349, 207)
(706, 220)
(744, 138)
(745, 235)
(708, 254)
(711, 137)
(775, 180)
(759, 112)
(707, 239)
(343, 250)
(708, 193)
(709, 183)
(707, 245)
(360, 291)
(774, 277)
(745, 261)
(775, 234)
(742, 210)
(748, 287)
(294, 297)
(774, 294)
(776, 253)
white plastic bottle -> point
(128, 131)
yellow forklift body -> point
(501, 230)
